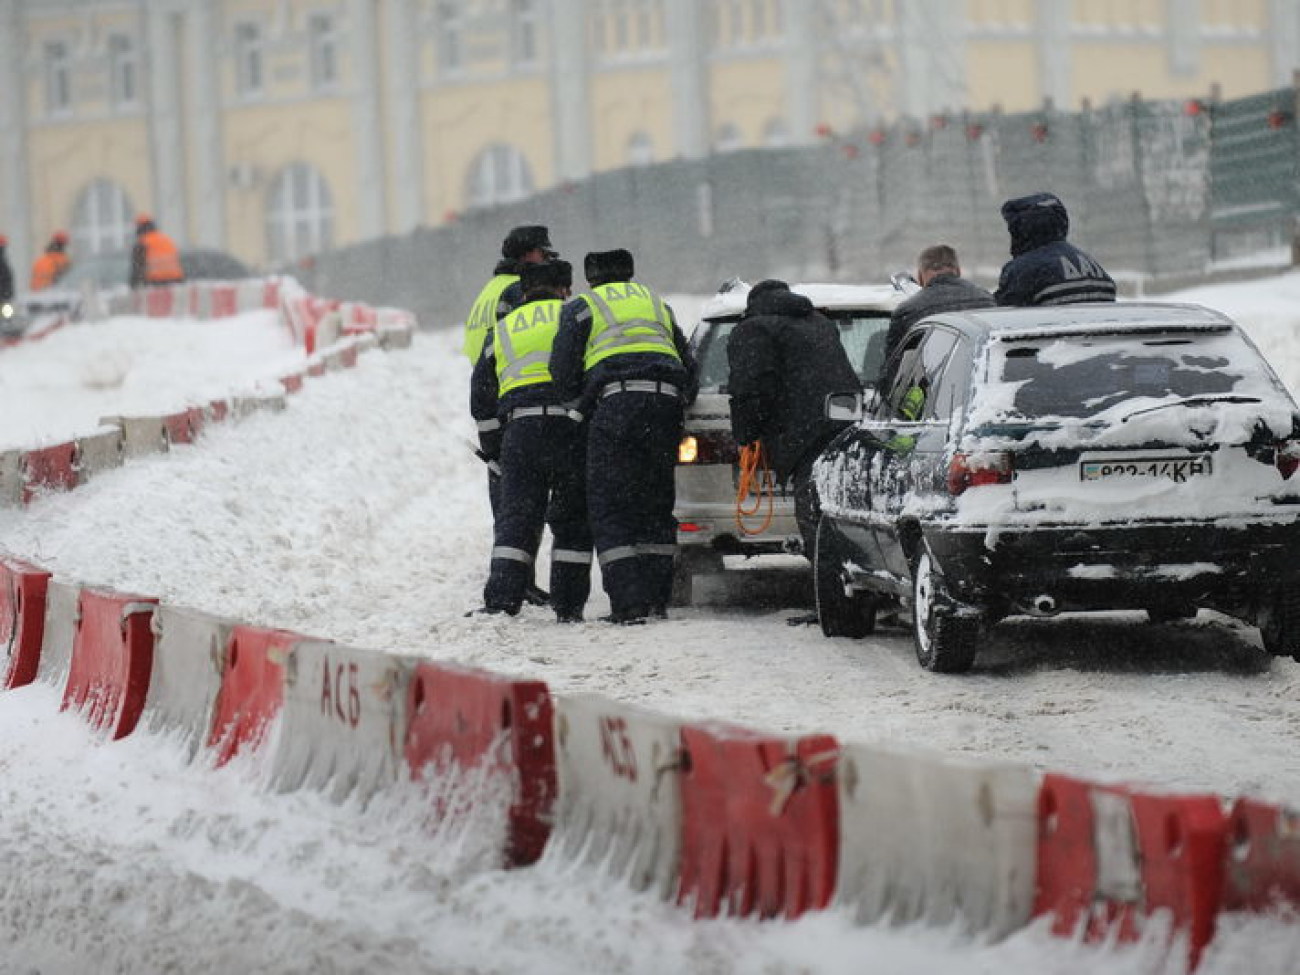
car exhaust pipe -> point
(1041, 605)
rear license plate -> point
(1176, 469)
(781, 492)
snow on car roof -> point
(874, 297)
(1011, 324)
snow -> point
(359, 514)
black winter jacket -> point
(1044, 268)
(943, 292)
(785, 359)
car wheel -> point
(687, 566)
(840, 613)
(1279, 623)
(944, 644)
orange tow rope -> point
(757, 487)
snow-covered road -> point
(360, 515)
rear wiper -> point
(1191, 401)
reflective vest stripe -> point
(522, 344)
(645, 324)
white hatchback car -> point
(708, 527)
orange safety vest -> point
(162, 262)
(48, 268)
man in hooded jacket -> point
(785, 359)
(1045, 269)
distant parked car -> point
(707, 469)
(1076, 458)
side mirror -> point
(844, 406)
(905, 282)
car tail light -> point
(968, 470)
(1287, 457)
(707, 447)
(690, 527)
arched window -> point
(775, 134)
(728, 138)
(500, 174)
(299, 215)
(102, 219)
(640, 150)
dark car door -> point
(911, 426)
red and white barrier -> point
(760, 822)
(252, 688)
(11, 477)
(189, 660)
(62, 610)
(22, 619)
(464, 719)
(924, 837)
(112, 655)
(1262, 868)
(343, 722)
(50, 468)
(1110, 857)
(620, 801)
(99, 451)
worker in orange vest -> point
(53, 264)
(154, 258)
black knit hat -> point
(546, 276)
(602, 267)
(521, 240)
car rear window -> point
(1076, 375)
(862, 333)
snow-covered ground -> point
(359, 514)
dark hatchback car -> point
(1078, 458)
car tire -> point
(687, 566)
(839, 613)
(944, 644)
(1279, 623)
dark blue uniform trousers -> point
(631, 464)
(542, 482)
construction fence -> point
(1162, 193)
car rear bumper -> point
(706, 514)
(1121, 567)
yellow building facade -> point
(275, 129)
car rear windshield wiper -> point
(1191, 401)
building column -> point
(688, 64)
(1054, 65)
(932, 52)
(203, 106)
(15, 212)
(570, 90)
(405, 124)
(366, 132)
(801, 94)
(162, 23)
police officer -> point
(51, 265)
(154, 257)
(541, 454)
(619, 347)
(1045, 268)
(522, 246)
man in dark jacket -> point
(620, 350)
(6, 273)
(1044, 268)
(942, 289)
(542, 451)
(785, 359)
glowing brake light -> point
(967, 470)
(688, 451)
(707, 447)
(1287, 457)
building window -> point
(102, 219)
(323, 39)
(124, 71)
(58, 78)
(523, 26)
(640, 150)
(728, 138)
(500, 174)
(299, 215)
(248, 60)
(451, 27)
